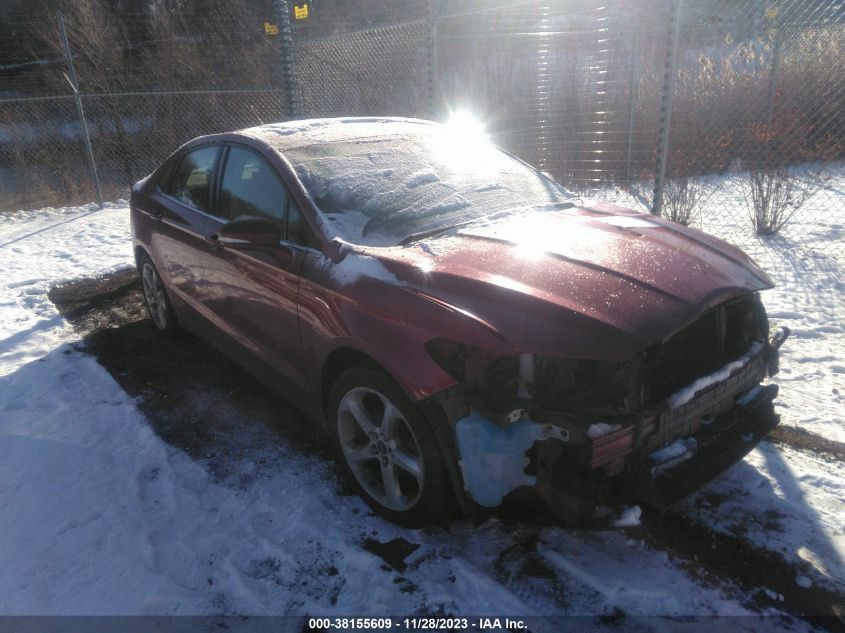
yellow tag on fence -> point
(300, 13)
(271, 29)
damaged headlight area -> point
(540, 382)
(581, 431)
(537, 421)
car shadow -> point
(752, 523)
(818, 549)
(194, 398)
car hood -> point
(596, 281)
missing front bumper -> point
(728, 418)
(729, 438)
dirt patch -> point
(100, 302)
(804, 440)
(393, 552)
(523, 568)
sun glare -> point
(464, 145)
(465, 124)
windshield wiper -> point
(413, 237)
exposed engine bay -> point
(583, 432)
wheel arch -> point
(140, 251)
(338, 361)
(431, 409)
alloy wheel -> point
(380, 448)
(154, 295)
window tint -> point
(250, 187)
(191, 182)
(166, 173)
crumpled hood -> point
(596, 281)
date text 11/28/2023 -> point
(416, 624)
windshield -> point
(380, 191)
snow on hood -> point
(642, 246)
(355, 266)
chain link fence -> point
(755, 146)
(135, 86)
(723, 114)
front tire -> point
(387, 449)
(155, 297)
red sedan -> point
(463, 327)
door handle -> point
(156, 215)
(212, 241)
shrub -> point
(775, 195)
(681, 197)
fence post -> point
(633, 93)
(433, 71)
(666, 104)
(80, 112)
(293, 107)
(773, 71)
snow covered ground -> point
(102, 516)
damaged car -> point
(465, 329)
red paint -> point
(602, 292)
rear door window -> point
(191, 184)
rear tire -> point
(387, 449)
(155, 297)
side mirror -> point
(250, 232)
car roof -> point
(291, 134)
